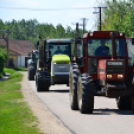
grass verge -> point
(21, 69)
(15, 115)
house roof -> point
(18, 47)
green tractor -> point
(53, 64)
(32, 64)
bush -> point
(3, 57)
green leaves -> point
(119, 15)
(3, 57)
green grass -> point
(15, 115)
(21, 69)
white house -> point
(18, 51)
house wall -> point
(14, 60)
(21, 61)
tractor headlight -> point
(40, 69)
(109, 76)
(120, 76)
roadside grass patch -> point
(21, 69)
(15, 115)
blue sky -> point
(64, 17)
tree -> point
(119, 15)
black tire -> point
(73, 77)
(124, 103)
(67, 84)
(40, 87)
(52, 81)
(85, 94)
(31, 72)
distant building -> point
(19, 51)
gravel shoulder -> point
(48, 123)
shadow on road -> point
(60, 91)
(112, 111)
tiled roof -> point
(18, 47)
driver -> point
(102, 50)
(58, 51)
(66, 51)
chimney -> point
(2, 36)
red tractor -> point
(101, 68)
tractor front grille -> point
(115, 69)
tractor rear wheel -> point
(73, 78)
(124, 103)
(85, 94)
(31, 72)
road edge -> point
(48, 122)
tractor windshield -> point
(59, 48)
(103, 47)
(37, 54)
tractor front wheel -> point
(85, 94)
(73, 78)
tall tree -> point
(118, 16)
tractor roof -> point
(59, 40)
(102, 34)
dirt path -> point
(48, 123)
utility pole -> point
(84, 24)
(76, 29)
(76, 36)
(99, 16)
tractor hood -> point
(60, 58)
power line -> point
(45, 9)
(53, 9)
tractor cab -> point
(58, 59)
(99, 49)
(56, 47)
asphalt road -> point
(106, 118)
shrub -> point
(3, 57)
